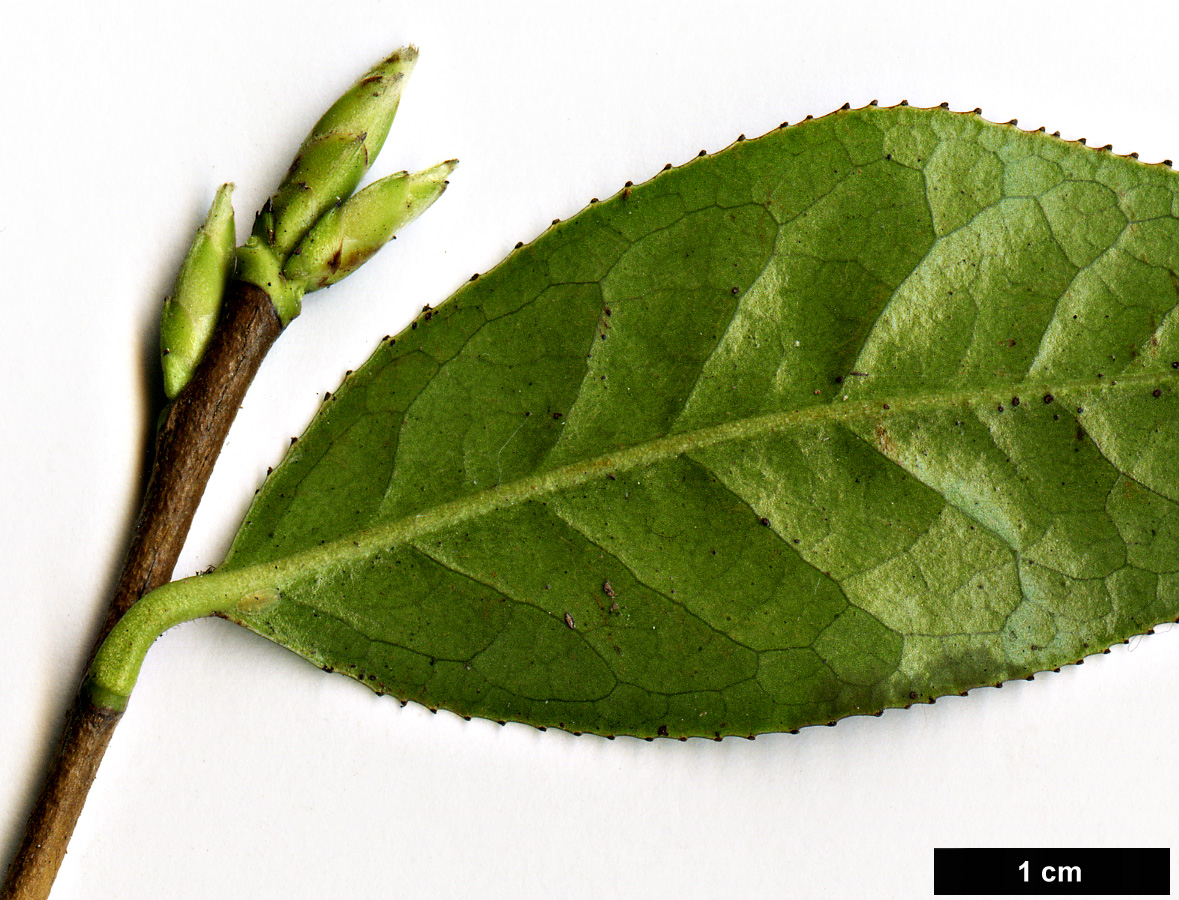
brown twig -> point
(187, 446)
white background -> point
(241, 771)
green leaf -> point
(866, 411)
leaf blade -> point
(809, 545)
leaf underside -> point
(870, 410)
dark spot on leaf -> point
(1156, 393)
(735, 291)
(556, 415)
(1015, 401)
(661, 731)
(764, 521)
(1048, 398)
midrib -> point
(367, 542)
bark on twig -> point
(187, 446)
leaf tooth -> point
(845, 106)
(873, 102)
(945, 104)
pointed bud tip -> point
(436, 173)
(400, 61)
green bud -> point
(336, 154)
(190, 314)
(347, 235)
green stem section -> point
(116, 665)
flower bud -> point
(336, 154)
(347, 235)
(190, 314)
